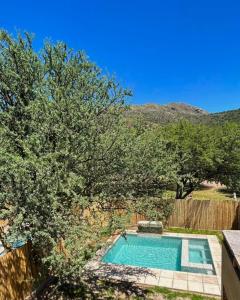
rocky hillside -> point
(173, 112)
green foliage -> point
(59, 135)
(194, 153)
(159, 209)
(149, 165)
(223, 117)
(66, 149)
(227, 160)
(194, 149)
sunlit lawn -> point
(212, 194)
(204, 193)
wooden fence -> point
(16, 274)
(202, 214)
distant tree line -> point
(198, 152)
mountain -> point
(173, 112)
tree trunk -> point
(179, 192)
(182, 193)
(187, 192)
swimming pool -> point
(168, 253)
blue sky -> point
(164, 50)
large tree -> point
(60, 120)
(66, 150)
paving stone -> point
(195, 277)
(180, 284)
(179, 275)
(195, 286)
(151, 280)
(217, 258)
(141, 279)
(154, 272)
(167, 274)
(211, 289)
(165, 282)
(210, 279)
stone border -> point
(185, 281)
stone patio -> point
(185, 281)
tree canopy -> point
(60, 119)
(194, 149)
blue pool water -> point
(156, 252)
(146, 251)
(199, 251)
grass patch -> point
(206, 193)
(173, 295)
(196, 231)
(212, 194)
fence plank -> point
(16, 275)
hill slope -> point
(173, 112)
(230, 115)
